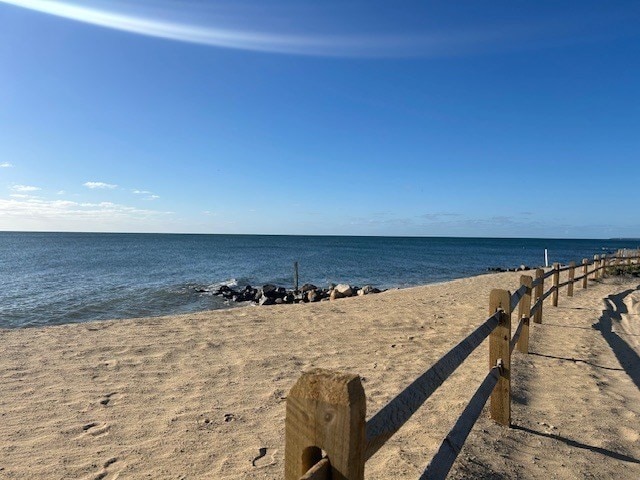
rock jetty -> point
(273, 295)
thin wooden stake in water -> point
(572, 275)
(295, 276)
(585, 269)
(500, 352)
(539, 292)
(556, 282)
(325, 411)
(524, 313)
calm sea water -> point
(54, 278)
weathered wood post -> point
(603, 266)
(572, 275)
(556, 282)
(325, 411)
(524, 313)
(595, 267)
(500, 353)
(539, 292)
(295, 276)
(585, 269)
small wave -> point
(227, 283)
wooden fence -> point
(326, 435)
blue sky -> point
(512, 119)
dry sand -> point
(202, 395)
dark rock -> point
(264, 300)
(312, 296)
(308, 286)
(278, 301)
(269, 290)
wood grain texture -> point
(539, 291)
(585, 274)
(320, 471)
(524, 313)
(572, 276)
(556, 284)
(500, 352)
(325, 410)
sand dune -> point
(203, 395)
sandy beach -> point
(203, 395)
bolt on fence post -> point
(524, 312)
(325, 411)
(556, 282)
(539, 292)
(585, 269)
(500, 350)
(572, 276)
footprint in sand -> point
(109, 398)
(110, 470)
(265, 458)
(96, 429)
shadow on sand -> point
(575, 360)
(574, 443)
(626, 355)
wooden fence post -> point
(595, 266)
(585, 269)
(539, 292)
(524, 312)
(572, 275)
(556, 282)
(603, 266)
(325, 411)
(500, 351)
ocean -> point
(57, 278)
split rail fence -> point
(326, 435)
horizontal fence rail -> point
(326, 433)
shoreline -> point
(247, 304)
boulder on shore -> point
(344, 290)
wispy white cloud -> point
(60, 192)
(100, 185)
(31, 213)
(129, 16)
(148, 195)
(25, 188)
(6, 165)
